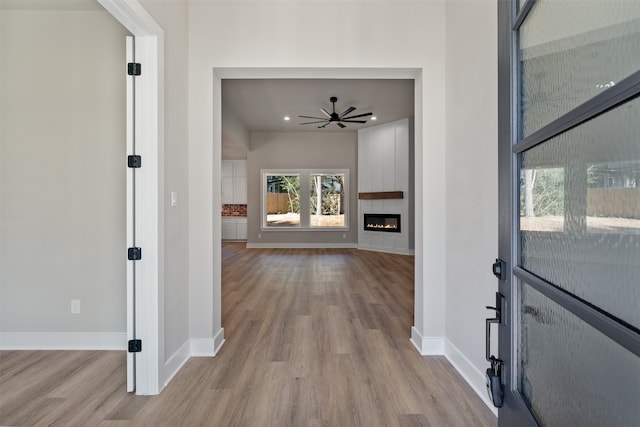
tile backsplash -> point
(234, 210)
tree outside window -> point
(326, 200)
(283, 200)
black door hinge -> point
(135, 346)
(134, 68)
(134, 161)
(134, 254)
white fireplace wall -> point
(385, 154)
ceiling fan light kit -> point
(333, 117)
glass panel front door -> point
(570, 373)
(580, 232)
(570, 219)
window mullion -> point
(305, 210)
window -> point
(304, 199)
(326, 201)
(283, 200)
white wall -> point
(381, 35)
(174, 329)
(235, 136)
(471, 182)
(300, 150)
(63, 177)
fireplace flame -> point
(382, 222)
(392, 226)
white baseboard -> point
(302, 245)
(63, 341)
(427, 346)
(207, 347)
(201, 347)
(218, 341)
(388, 250)
(471, 374)
(175, 363)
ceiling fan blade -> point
(324, 125)
(310, 123)
(359, 115)
(353, 121)
(347, 111)
(310, 117)
(341, 125)
(325, 112)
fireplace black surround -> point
(389, 223)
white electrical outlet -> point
(75, 306)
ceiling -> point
(262, 104)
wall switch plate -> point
(75, 306)
(174, 198)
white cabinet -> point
(227, 190)
(228, 228)
(227, 168)
(239, 167)
(234, 228)
(241, 229)
(239, 190)
(234, 182)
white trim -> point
(194, 347)
(149, 131)
(148, 218)
(317, 73)
(207, 347)
(131, 357)
(389, 251)
(133, 17)
(218, 341)
(427, 346)
(63, 341)
(472, 375)
(202, 347)
(302, 245)
(176, 362)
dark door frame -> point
(515, 412)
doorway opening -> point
(220, 150)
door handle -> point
(497, 319)
(488, 323)
(494, 373)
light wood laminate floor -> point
(314, 337)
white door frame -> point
(149, 133)
(424, 345)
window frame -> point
(305, 202)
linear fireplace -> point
(389, 223)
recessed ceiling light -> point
(374, 118)
(287, 118)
